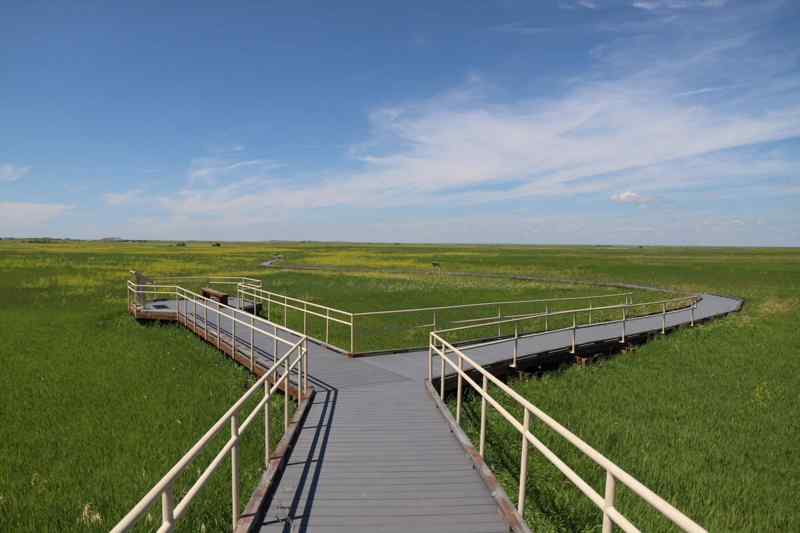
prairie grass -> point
(96, 408)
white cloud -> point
(210, 170)
(10, 173)
(651, 5)
(19, 217)
(630, 197)
(122, 198)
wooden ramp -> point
(375, 453)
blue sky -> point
(627, 121)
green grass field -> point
(97, 407)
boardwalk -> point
(374, 453)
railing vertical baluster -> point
(516, 344)
(523, 464)
(252, 343)
(194, 313)
(235, 470)
(499, 317)
(608, 525)
(430, 360)
(546, 314)
(305, 364)
(692, 305)
(484, 392)
(574, 325)
(441, 372)
(459, 390)
(286, 394)
(285, 310)
(269, 307)
(233, 332)
(624, 317)
(663, 318)
(266, 422)
(434, 321)
(299, 362)
(353, 337)
(168, 508)
(590, 313)
(205, 320)
(327, 325)
(305, 317)
(274, 343)
(219, 321)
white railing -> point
(462, 365)
(278, 376)
(355, 323)
(328, 314)
(667, 307)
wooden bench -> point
(214, 294)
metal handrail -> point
(492, 304)
(614, 473)
(575, 326)
(295, 358)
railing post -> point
(663, 318)
(691, 311)
(266, 422)
(352, 334)
(516, 344)
(434, 321)
(233, 333)
(499, 317)
(219, 321)
(441, 373)
(459, 390)
(235, 470)
(205, 320)
(523, 465)
(305, 317)
(286, 394)
(305, 367)
(194, 313)
(285, 310)
(546, 314)
(430, 360)
(299, 372)
(484, 392)
(275, 343)
(574, 324)
(590, 313)
(327, 325)
(252, 343)
(269, 308)
(167, 509)
(622, 338)
(608, 525)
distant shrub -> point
(180, 244)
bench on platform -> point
(214, 294)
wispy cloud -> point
(122, 198)
(209, 170)
(630, 197)
(18, 217)
(576, 4)
(651, 5)
(624, 131)
(10, 173)
(522, 29)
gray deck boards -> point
(374, 453)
